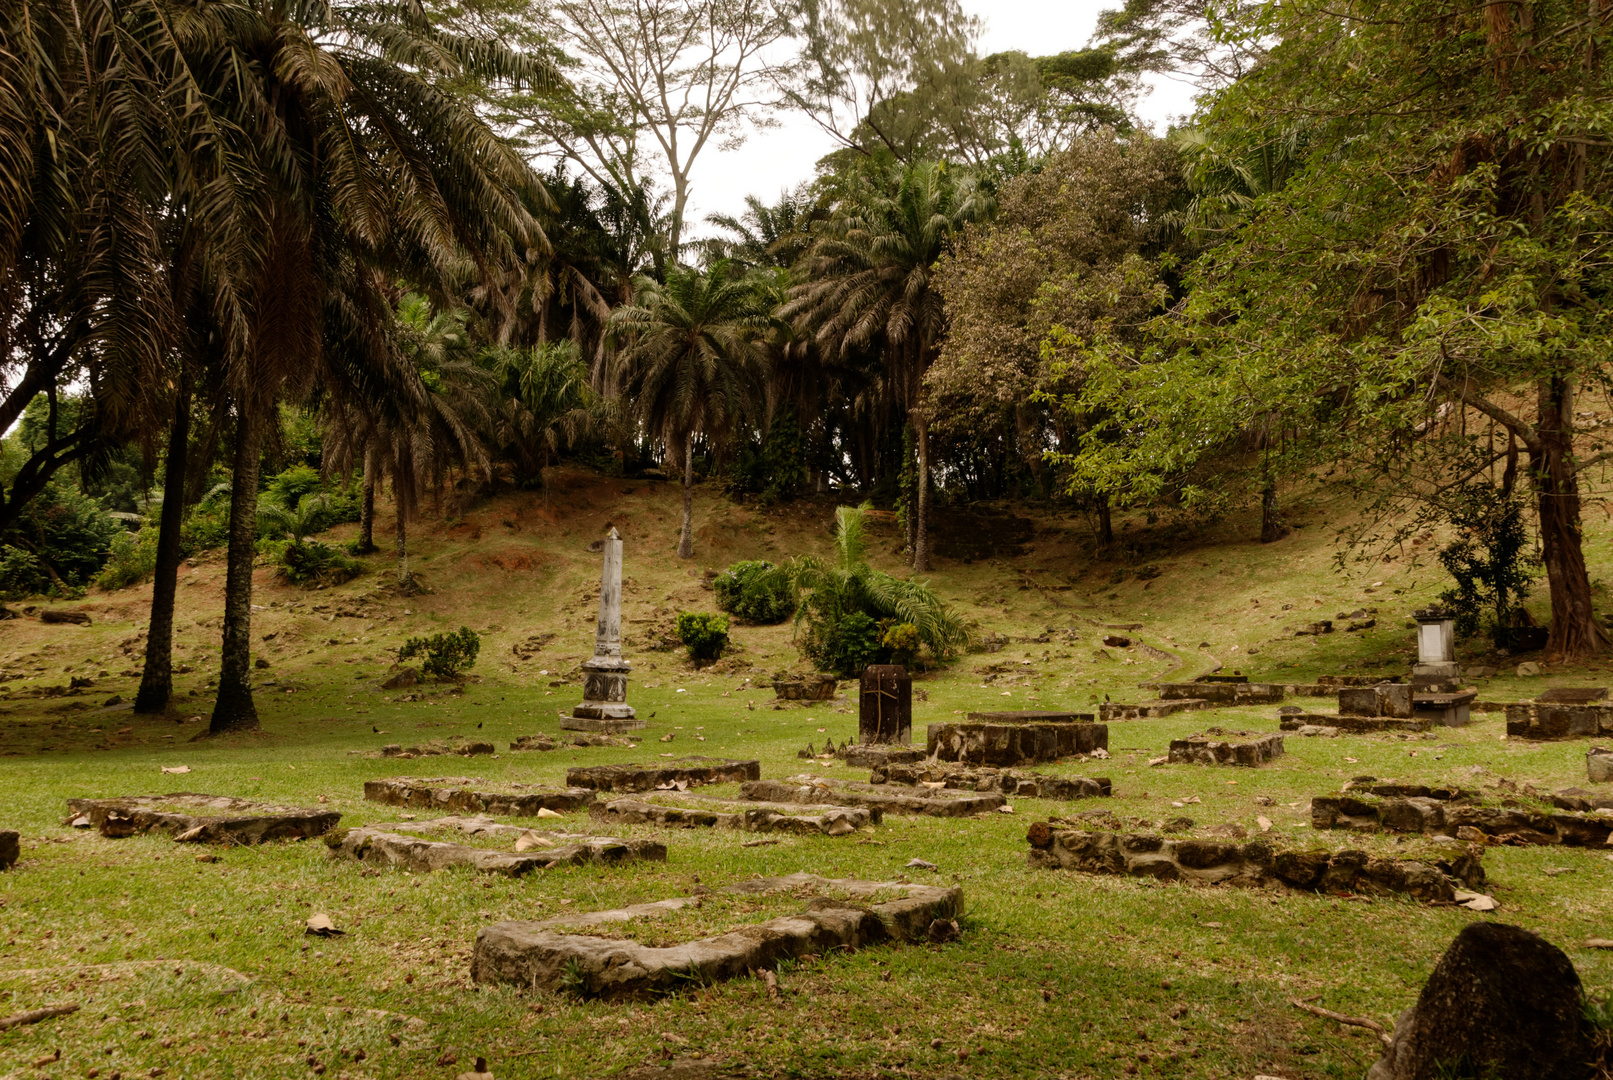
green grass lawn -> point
(203, 970)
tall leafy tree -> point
(692, 365)
(1440, 265)
(868, 283)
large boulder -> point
(1501, 1002)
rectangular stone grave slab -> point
(1571, 695)
(1442, 709)
(1336, 681)
(606, 725)
(1255, 864)
(1222, 679)
(456, 793)
(385, 845)
(1580, 799)
(828, 821)
(10, 848)
(688, 771)
(1355, 725)
(1217, 747)
(202, 819)
(436, 748)
(958, 777)
(1551, 722)
(541, 741)
(542, 955)
(874, 756)
(1014, 744)
(1224, 693)
(1031, 716)
(1150, 710)
(1383, 699)
(1409, 809)
(815, 790)
(805, 688)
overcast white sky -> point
(778, 158)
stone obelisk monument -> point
(604, 706)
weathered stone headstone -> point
(885, 707)
(604, 706)
(10, 848)
(1500, 1002)
(1599, 765)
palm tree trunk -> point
(405, 576)
(921, 531)
(234, 710)
(366, 513)
(157, 679)
(686, 538)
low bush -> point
(310, 562)
(132, 560)
(901, 642)
(845, 645)
(756, 591)
(58, 545)
(446, 655)
(706, 636)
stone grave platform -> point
(953, 776)
(1549, 721)
(805, 688)
(1571, 695)
(686, 772)
(1220, 693)
(1031, 716)
(554, 955)
(540, 741)
(456, 793)
(1599, 765)
(1354, 725)
(978, 743)
(437, 748)
(1256, 864)
(1408, 808)
(1218, 747)
(10, 848)
(780, 818)
(603, 725)
(874, 755)
(203, 819)
(393, 847)
(815, 791)
(1150, 710)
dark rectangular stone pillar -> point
(885, 707)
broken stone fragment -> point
(10, 848)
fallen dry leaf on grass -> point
(321, 926)
(176, 769)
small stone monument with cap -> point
(604, 706)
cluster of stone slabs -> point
(551, 955)
(1562, 713)
(1250, 865)
(196, 818)
(1217, 747)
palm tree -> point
(868, 284)
(767, 236)
(692, 365)
(363, 159)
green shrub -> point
(845, 645)
(133, 559)
(310, 562)
(446, 654)
(756, 592)
(901, 641)
(290, 486)
(68, 536)
(21, 574)
(705, 635)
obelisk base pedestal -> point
(603, 725)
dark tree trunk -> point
(405, 575)
(1271, 525)
(234, 710)
(686, 537)
(1574, 632)
(366, 513)
(921, 527)
(1106, 525)
(157, 680)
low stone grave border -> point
(550, 955)
(828, 821)
(1224, 693)
(1255, 864)
(1547, 722)
(687, 771)
(571, 741)
(1013, 744)
(957, 777)
(873, 755)
(470, 748)
(1417, 809)
(813, 790)
(1352, 725)
(1217, 747)
(1150, 710)
(390, 846)
(446, 793)
(191, 817)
